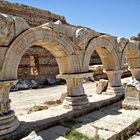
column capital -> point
(8, 120)
(7, 83)
(114, 78)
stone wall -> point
(95, 59)
(38, 64)
(33, 16)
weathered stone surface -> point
(114, 82)
(20, 25)
(6, 29)
(83, 35)
(39, 59)
(98, 72)
(101, 86)
(135, 137)
(32, 136)
(87, 130)
(4, 96)
(33, 16)
(10, 27)
(136, 38)
(132, 95)
(76, 98)
(61, 138)
(105, 134)
(54, 133)
(8, 123)
(72, 46)
(110, 122)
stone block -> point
(101, 86)
(11, 27)
(53, 132)
(32, 136)
(87, 130)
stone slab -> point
(109, 123)
(54, 133)
(87, 130)
(44, 119)
(61, 138)
(135, 137)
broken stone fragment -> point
(32, 136)
(134, 83)
(101, 86)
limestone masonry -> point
(72, 47)
(35, 17)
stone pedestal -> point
(114, 82)
(76, 97)
(8, 120)
(132, 95)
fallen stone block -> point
(101, 86)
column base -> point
(115, 90)
(76, 102)
(8, 123)
(131, 104)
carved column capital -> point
(114, 82)
(4, 95)
(76, 97)
(8, 120)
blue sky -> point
(115, 17)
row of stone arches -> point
(73, 63)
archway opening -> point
(96, 67)
(39, 66)
(106, 63)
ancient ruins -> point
(72, 48)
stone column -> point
(76, 97)
(8, 120)
(114, 82)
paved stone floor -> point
(24, 99)
(135, 137)
(21, 100)
(108, 122)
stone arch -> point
(59, 45)
(106, 50)
(132, 53)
